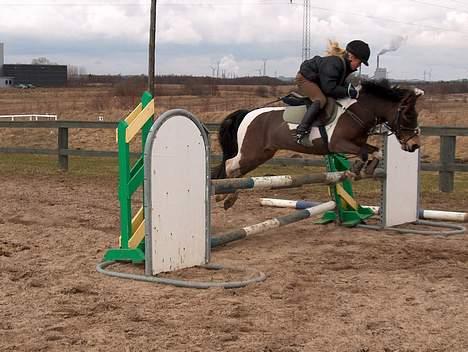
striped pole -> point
(423, 214)
(230, 185)
(239, 234)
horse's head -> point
(405, 124)
(396, 107)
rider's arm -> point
(309, 69)
(330, 76)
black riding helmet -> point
(359, 49)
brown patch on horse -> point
(261, 142)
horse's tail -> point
(227, 137)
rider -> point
(325, 76)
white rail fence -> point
(29, 117)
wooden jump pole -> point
(296, 216)
(231, 185)
(423, 213)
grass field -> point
(106, 169)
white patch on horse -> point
(232, 165)
(418, 92)
(248, 120)
(345, 103)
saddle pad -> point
(294, 114)
(342, 106)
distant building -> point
(5, 81)
(380, 73)
(37, 75)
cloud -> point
(229, 65)
(192, 35)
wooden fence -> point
(446, 166)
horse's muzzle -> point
(412, 144)
(410, 147)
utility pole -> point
(152, 48)
(306, 31)
(213, 70)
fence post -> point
(62, 145)
(447, 158)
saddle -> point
(298, 104)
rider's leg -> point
(315, 94)
(309, 117)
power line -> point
(390, 20)
(138, 3)
(437, 5)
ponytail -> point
(334, 49)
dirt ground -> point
(327, 289)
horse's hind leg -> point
(238, 167)
(232, 170)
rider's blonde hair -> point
(334, 49)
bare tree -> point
(42, 61)
(73, 71)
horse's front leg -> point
(375, 156)
(362, 150)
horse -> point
(250, 138)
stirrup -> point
(301, 136)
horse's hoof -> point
(357, 167)
(220, 197)
(230, 200)
(228, 203)
(371, 166)
(379, 172)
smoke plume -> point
(395, 44)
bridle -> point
(398, 126)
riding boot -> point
(306, 124)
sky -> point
(427, 38)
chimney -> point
(2, 61)
(378, 59)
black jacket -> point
(329, 73)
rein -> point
(396, 127)
(266, 104)
(355, 117)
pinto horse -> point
(250, 138)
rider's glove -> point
(353, 93)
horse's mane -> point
(382, 89)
